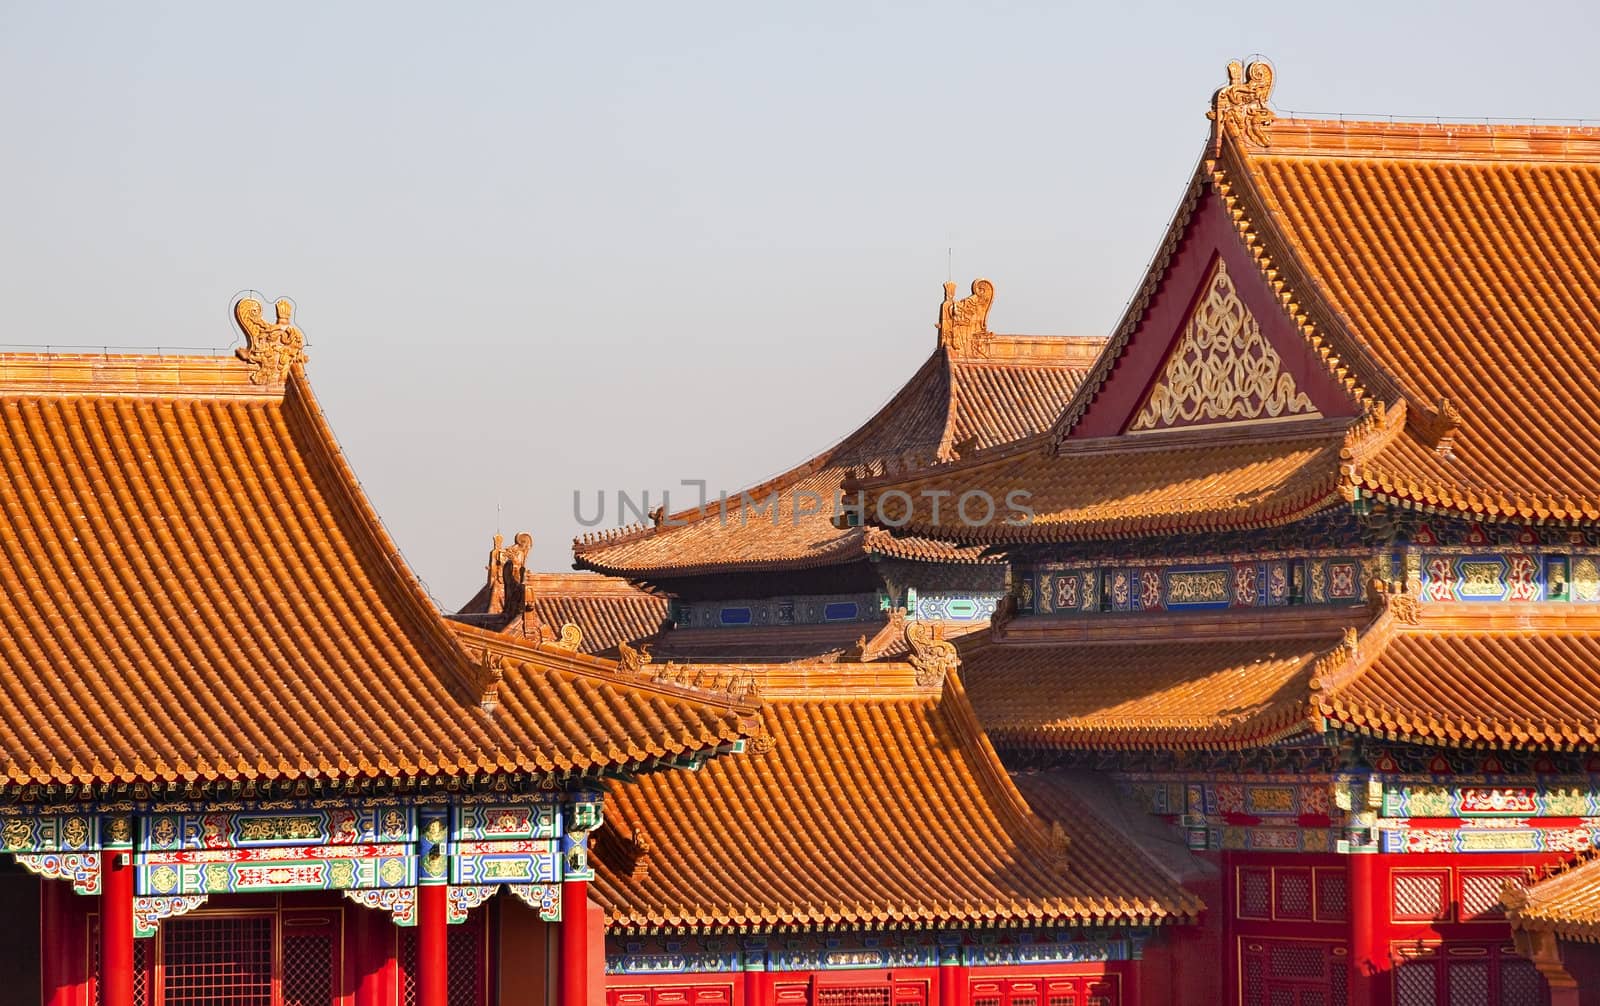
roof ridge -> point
(1443, 138)
(1016, 815)
(600, 669)
(130, 375)
(346, 489)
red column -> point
(1132, 995)
(949, 988)
(573, 975)
(62, 967)
(952, 976)
(433, 943)
(116, 929)
(1368, 962)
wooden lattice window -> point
(1419, 894)
(1255, 894)
(217, 961)
(310, 957)
(853, 995)
(1293, 973)
(1466, 974)
(466, 946)
(1292, 897)
(1480, 893)
(1333, 897)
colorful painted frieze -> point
(953, 607)
(1057, 589)
(248, 829)
(804, 610)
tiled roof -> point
(608, 609)
(1523, 676)
(1444, 273)
(1566, 902)
(1527, 678)
(197, 589)
(1460, 264)
(878, 803)
(1149, 681)
(588, 711)
(1165, 483)
(953, 403)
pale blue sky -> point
(540, 248)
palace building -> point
(245, 760)
(1299, 624)
(1248, 655)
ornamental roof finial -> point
(964, 323)
(271, 348)
(1242, 104)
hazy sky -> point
(538, 248)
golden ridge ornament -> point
(271, 348)
(964, 323)
(1242, 102)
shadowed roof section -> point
(878, 802)
(199, 590)
(1422, 673)
(965, 398)
(1527, 678)
(1150, 681)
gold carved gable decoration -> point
(1223, 370)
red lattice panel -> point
(1293, 894)
(466, 949)
(1521, 984)
(217, 961)
(1415, 984)
(143, 950)
(1480, 893)
(408, 966)
(1297, 960)
(94, 959)
(1333, 899)
(308, 962)
(1255, 894)
(1468, 983)
(1419, 895)
(863, 995)
(1255, 985)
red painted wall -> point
(1296, 923)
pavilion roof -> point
(1443, 277)
(198, 590)
(1525, 679)
(883, 769)
(972, 393)
(1564, 902)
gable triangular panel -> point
(1222, 369)
(1211, 344)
